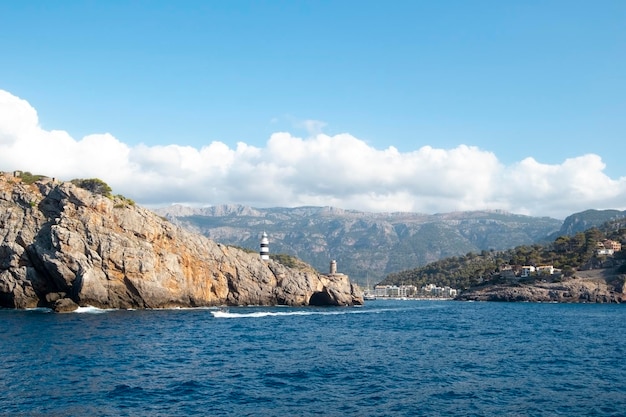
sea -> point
(386, 358)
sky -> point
(422, 106)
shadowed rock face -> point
(63, 246)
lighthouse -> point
(265, 248)
(333, 267)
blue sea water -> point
(387, 358)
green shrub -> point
(95, 185)
(124, 201)
(290, 261)
(247, 250)
(28, 178)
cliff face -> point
(62, 246)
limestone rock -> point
(577, 290)
(60, 242)
(64, 305)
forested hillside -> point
(568, 253)
(579, 222)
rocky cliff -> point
(599, 288)
(62, 246)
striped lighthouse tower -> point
(265, 248)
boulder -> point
(64, 305)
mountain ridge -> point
(581, 221)
(367, 245)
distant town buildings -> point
(411, 291)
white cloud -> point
(339, 170)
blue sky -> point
(535, 79)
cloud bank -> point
(320, 170)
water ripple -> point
(385, 359)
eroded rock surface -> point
(60, 242)
(576, 290)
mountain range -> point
(368, 246)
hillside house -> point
(608, 247)
(545, 270)
(602, 250)
(530, 270)
(612, 244)
(507, 272)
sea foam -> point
(223, 314)
(92, 310)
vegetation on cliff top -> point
(28, 178)
(291, 261)
(567, 253)
(95, 185)
(285, 259)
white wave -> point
(184, 308)
(92, 310)
(229, 315)
(40, 309)
(224, 314)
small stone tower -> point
(265, 248)
(333, 267)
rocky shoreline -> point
(62, 247)
(601, 287)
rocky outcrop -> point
(64, 246)
(577, 290)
